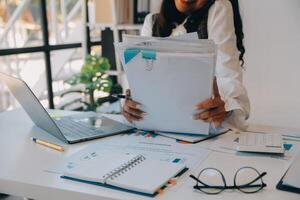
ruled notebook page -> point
(100, 167)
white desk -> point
(22, 165)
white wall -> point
(272, 76)
(155, 6)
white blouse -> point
(229, 73)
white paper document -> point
(169, 78)
(229, 142)
(260, 143)
(151, 146)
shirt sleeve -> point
(228, 70)
(147, 26)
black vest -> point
(196, 22)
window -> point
(22, 66)
(38, 36)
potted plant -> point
(94, 77)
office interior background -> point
(44, 42)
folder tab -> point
(129, 54)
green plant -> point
(94, 77)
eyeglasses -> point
(246, 179)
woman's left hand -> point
(213, 109)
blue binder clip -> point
(148, 55)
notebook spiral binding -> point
(124, 168)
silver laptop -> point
(70, 129)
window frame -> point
(47, 48)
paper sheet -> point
(161, 65)
(292, 176)
(228, 142)
(149, 145)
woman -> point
(220, 21)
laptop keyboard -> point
(77, 130)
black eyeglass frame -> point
(235, 186)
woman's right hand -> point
(131, 109)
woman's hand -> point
(131, 109)
(213, 109)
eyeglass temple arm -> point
(257, 178)
(196, 179)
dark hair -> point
(169, 16)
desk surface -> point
(23, 164)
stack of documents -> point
(169, 76)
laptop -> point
(70, 129)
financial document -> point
(149, 145)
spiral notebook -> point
(126, 172)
